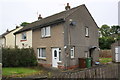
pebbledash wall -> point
(2, 42)
(59, 39)
(10, 38)
(56, 40)
(24, 43)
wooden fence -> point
(105, 54)
(104, 71)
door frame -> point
(55, 48)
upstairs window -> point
(86, 31)
(24, 37)
(45, 31)
(72, 52)
(42, 53)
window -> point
(42, 53)
(45, 31)
(55, 53)
(86, 54)
(59, 54)
(72, 53)
(24, 37)
(86, 31)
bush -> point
(18, 57)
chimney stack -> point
(39, 17)
(67, 7)
(7, 30)
(17, 27)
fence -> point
(105, 54)
(104, 71)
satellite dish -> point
(73, 23)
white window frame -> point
(86, 31)
(40, 53)
(86, 54)
(60, 56)
(22, 36)
(45, 31)
(72, 50)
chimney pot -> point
(39, 18)
(17, 27)
(7, 30)
(67, 7)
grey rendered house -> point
(59, 40)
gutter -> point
(61, 20)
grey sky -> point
(14, 12)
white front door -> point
(55, 57)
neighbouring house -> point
(24, 37)
(115, 47)
(2, 39)
(59, 40)
(7, 39)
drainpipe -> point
(68, 46)
(5, 41)
(15, 40)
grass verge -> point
(105, 60)
(18, 71)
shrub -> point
(18, 57)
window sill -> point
(59, 62)
(42, 59)
(87, 36)
(72, 58)
(23, 40)
(46, 37)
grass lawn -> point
(18, 71)
(105, 60)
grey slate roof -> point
(54, 18)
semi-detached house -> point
(60, 39)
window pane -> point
(47, 31)
(72, 52)
(38, 52)
(59, 56)
(86, 31)
(24, 36)
(43, 32)
(55, 53)
(43, 52)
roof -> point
(7, 32)
(51, 20)
(56, 18)
(1, 36)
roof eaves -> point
(61, 20)
(22, 31)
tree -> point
(105, 42)
(105, 30)
(115, 29)
(108, 36)
(24, 24)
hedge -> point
(24, 57)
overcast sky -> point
(14, 12)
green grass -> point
(18, 71)
(105, 60)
